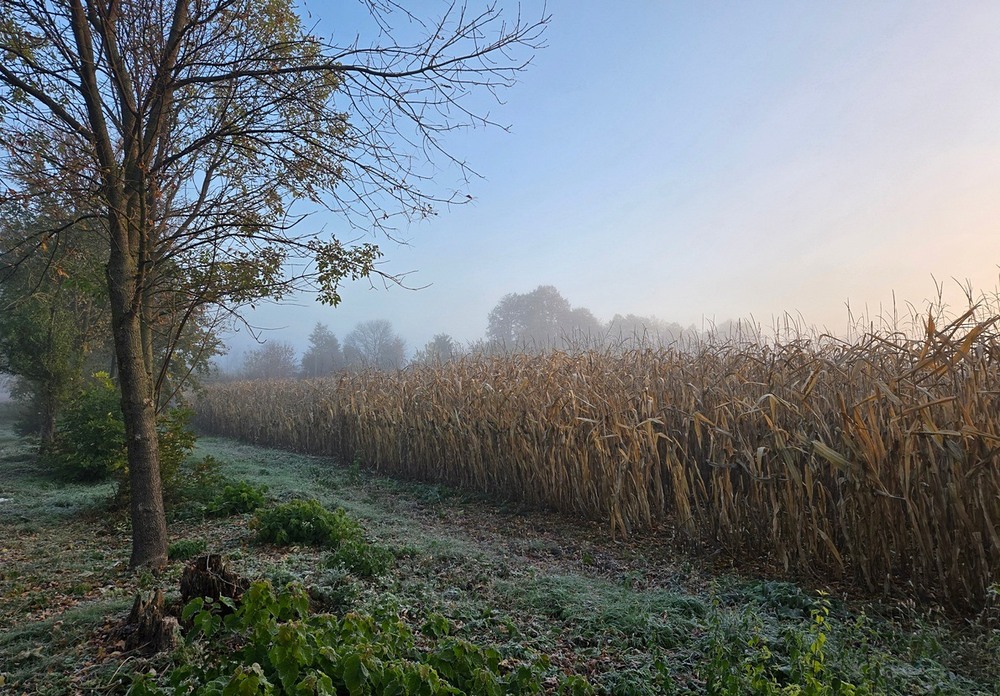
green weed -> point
(283, 649)
(305, 522)
(362, 558)
(237, 499)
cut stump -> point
(148, 627)
(210, 576)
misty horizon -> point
(724, 163)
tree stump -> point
(148, 627)
(210, 576)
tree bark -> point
(128, 230)
(47, 429)
(149, 526)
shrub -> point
(237, 499)
(90, 436)
(199, 480)
(90, 439)
(305, 522)
(176, 441)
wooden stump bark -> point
(210, 576)
(148, 627)
(151, 627)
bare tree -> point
(374, 344)
(189, 129)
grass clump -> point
(306, 522)
(597, 613)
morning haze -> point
(705, 162)
(683, 383)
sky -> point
(707, 161)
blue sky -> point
(704, 161)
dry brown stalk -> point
(875, 461)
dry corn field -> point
(875, 461)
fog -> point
(701, 162)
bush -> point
(90, 436)
(176, 443)
(305, 522)
(198, 480)
(237, 499)
(90, 439)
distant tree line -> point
(543, 320)
(533, 322)
(371, 344)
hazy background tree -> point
(273, 360)
(374, 344)
(583, 330)
(439, 349)
(632, 329)
(540, 320)
(324, 356)
(191, 128)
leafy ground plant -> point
(361, 558)
(306, 522)
(237, 499)
(286, 650)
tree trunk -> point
(47, 429)
(149, 522)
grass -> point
(635, 618)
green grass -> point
(634, 618)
